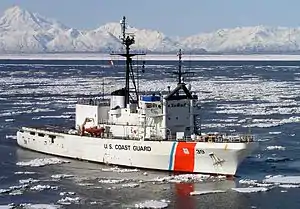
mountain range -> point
(22, 31)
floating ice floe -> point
(289, 186)
(24, 173)
(35, 110)
(275, 148)
(69, 200)
(130, 185)
(28, 181)
(4, 191)
(66, 193)
(61, 176)
(187, 178)
(119, 170)
(152, 204)
(271, 181)
(51, 117)
(9, 120)
(85, 184)
(254, 183)
(279, 179)
(22, 186)
(274, 132)
(39, 162)
(16, 192)
(11, 137)
(111, 181)
(267, 123)
(95, 203)
(30, 206)
(250, 189)
(263, 140)
(43, 187)
(206, 192)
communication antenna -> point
(103, 84)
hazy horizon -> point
(176, 19)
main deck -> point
(209, 138)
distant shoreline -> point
(158, 57)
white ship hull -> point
(190, 157)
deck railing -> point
(94, 101)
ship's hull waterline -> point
(177, 156)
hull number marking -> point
(200, 151)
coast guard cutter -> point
(143, 131)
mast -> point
(127, 40)
(179, 67)
(179, 73)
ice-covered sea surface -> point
(258, 97)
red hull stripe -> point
(185, 157)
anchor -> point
(216, 160)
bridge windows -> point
(41, 134)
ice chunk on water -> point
(275, 148)
(39, 162)
(206, 192)
(283, 179)
(152, 204)
(251, 189)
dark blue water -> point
(236, 97)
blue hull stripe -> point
(171, 156)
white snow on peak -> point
(16, 18)
(151, 40)
(22, 31)
(247, 39)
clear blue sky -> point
(173, 17)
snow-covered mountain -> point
(150, 40)
(24, 32)
(247, 39)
